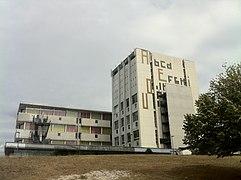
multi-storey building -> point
(151, 93)
(58, 125)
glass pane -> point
(59, 113)
(85, 115)
(107, 117)
(71, 128)
(95, 130)
(95, 116)
(72, 113)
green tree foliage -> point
(216, 127)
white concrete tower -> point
(151, 93)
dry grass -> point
(140, 166)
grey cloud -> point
(61, 52)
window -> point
(46, 112)
(136, 134)
(29, 126)
(95, 115)
(127, 102)
(71, 113)
(121, 106)
(59, 134)
(71, 128)
(96, 130)
(135, 116)
(60, 118)
(122, 139)
(85, 115)
(59, 113)
(116, 141)
(107, 117)
(58, 128)
(20, 125)
(158, 94)
(129, 137)
(132, 55)
(116, 125)
(96, 136)
(116, 109)
(126, 61)
(134, 98)
(122, 122)
(96, 121)
(128, 119)
(106, 130)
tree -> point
(216, 127)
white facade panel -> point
(93, 122)
(25, 117)
(61, 135)
(22, 133)
(180, 102)
(61, 119)
(95, 137)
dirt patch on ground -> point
(206, 172)
(98, 175)
(139, 167)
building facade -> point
(42, 124)
(151, 93)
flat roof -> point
(41, 106)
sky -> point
(61, 52)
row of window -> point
(127, 119)
(126, 139)
(37, 118)
(127, 103)
(128, 127)
(82, 129)
(65, 128)
(83, 114)
(120, 66)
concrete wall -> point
(66, 126)
(180, 102)
(147, 74)
(145, 98)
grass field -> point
(139, 166)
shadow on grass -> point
(205, 172)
